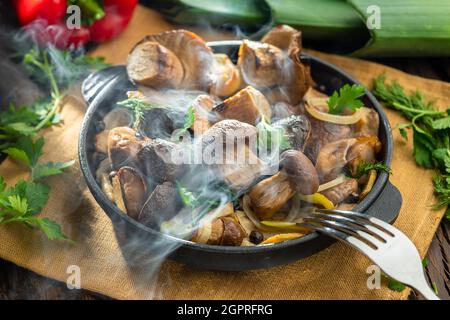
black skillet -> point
(102, 89)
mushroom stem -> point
(269, 195)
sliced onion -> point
(333, 118)
(332, 183)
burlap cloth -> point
(338, 272)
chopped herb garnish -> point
(138, 106)
(365, 167)
(347, 98)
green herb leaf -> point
(187, 197)
(189, 118)
(422, 151)
(37, 195)
(19, 155)
(50, 228)
(439, 124)
(50, 168)
(347, 98)
(20, 205)
(138, 107)
(365, 167)
(402, 129)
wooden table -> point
(19, 283)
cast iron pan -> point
(102, 89)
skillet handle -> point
(387, 206)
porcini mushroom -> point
(248, 105)
(133, 190)
(123, 146)
(225, 231)
(274, 66)
(228, 147)
(297, 174)
(156, 158)
(174, 59)
(297, 130)
(226, 78)
(162, 204)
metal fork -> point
(382, 243)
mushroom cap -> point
(134, 190)
(300, 171)
(297, 129)
(123, 146)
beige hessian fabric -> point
(336, 273)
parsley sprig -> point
(431, 133)
(347, 98)
(22, 202)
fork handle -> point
(426, 291)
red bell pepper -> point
(117, 16)
(101, 20)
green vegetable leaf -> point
(365, 167)
(18, 204)
(32, 149)
(19, 155)
(422, 150)
(442, 123)
(50, 228)
(187, 197)
(447, 214)
(37, 195)
(189, 118)
(347, 98)
(50, 168)
(402, 129)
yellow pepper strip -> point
(317, 198)
(282, 237)
(291, 226)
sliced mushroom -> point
(323, 133)
(225, 231)
(364, 150)
(229, 148)
(156, 158)
(154, 65)
(123, 145)
(133, 189)
(368, 124)
(226, 79)
(297, 130)
(176, 59)
(248, 105)
(297, 174)
(348, 152)
(163, 204)
(341, 192)
(118, 117)
(202, 105)
(332, 159)
(261, 64)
